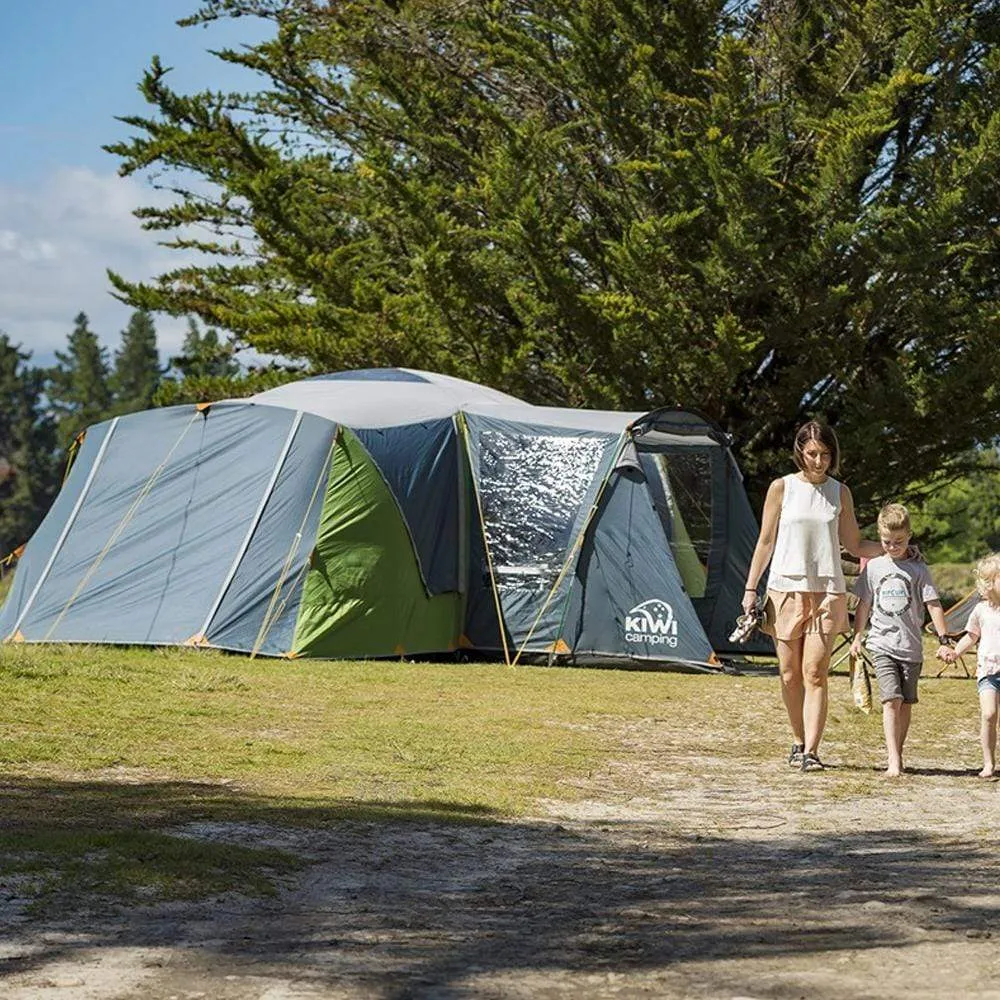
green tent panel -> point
(363, 595)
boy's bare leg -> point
(988, 730)
(894, 735)
(815, 668)
(905, 714)
(790, 666)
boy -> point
(893, 590)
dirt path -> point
(683, 872)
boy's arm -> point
(861, 613)
(937, 619)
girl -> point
(807, 517)
(983, 627)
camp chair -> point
(955, 618)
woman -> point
(807, 517)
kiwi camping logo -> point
(652, 623)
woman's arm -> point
(850, 533)
(764, 548)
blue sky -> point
(67, 69)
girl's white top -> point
(984, 624)
(807, 549)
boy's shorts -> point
(897, 678)
(789, 614)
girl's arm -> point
(965, 644)
(850, 533)
(764, 548)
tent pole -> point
(122, 525)
(268, 490)
(486, 542)
(271, 616)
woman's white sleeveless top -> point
(807, 549)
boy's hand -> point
(946, 653)
(856, 646)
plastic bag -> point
(861, 685)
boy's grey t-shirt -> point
(898, 591)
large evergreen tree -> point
(79, 390)
(766, 210)
(137, 365)
(28, 470)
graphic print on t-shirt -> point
(892, 595)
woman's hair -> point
(894, 517)
(987, 570)
(815, 431)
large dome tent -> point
(389, 512)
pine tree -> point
(78, 390)
(205, 355)
(28, 467)
(137, 365)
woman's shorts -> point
(789, 614)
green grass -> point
(472, 736)
(107, 753)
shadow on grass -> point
(411, 899)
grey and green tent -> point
(392, 512)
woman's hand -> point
(749, 601)
(856, 646)
(946, 653)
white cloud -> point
(57, 238)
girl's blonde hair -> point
(987, 570)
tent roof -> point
(383, 397)
(393, 397)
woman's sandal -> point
(810, 762)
